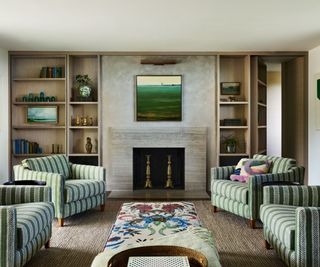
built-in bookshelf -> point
(233, 108)
(48, 81)
(259, 105)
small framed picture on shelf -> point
(230, 88)
(45, 114)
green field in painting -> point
(159, 102)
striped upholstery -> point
(24, 228)
(236, 200)
(30, 220)
(280, 219)
(80, 189)
(232, 190)
(306, 249)
(54, 164)
(279, 164)
(85, 183)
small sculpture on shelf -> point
(82, 121)
(88, 145)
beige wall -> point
(314, 117)
(4, 108)
(118, 97)
(274, 113)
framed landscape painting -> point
(42, 114)
(159, 97)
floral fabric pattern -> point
(139, 222)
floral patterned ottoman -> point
(158, 223)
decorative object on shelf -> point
(84, 121)
(88, 145)
(90, 123)
(23, 146)
(169, 183)
(38, 98)
(56, 149)
(230, 88)
(51, 72)
(83, 84)
(232, 122)
(42, 114)
(158, 98)
(148, 183)
(230, 143)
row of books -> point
(52, 72)
(22, 146)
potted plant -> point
(231, 144)
(83, 84)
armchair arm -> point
(54, 180)
(80, 171)
(256, 189)
(295, 195)
(307, 236)
(10, 195)
(221, 173)
(8, 225)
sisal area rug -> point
(85, 235)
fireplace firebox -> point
(158, 168)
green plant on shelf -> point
(230, 143)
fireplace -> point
(158, 168)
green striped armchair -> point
(291, 223)
(75, 187)
(244, 199)
(26, 215)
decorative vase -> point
(88, 145)
(85, 91)
(231, 148)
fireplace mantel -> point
(123, 140)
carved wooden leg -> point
(60, 222)
(266, 244)
(215, 209)
(252, 224)
(47, 245)
(102, 207)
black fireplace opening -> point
(158, 168)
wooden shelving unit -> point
(25, 78)
(233, 69)
(259, 106)
(77, 134)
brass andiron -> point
(169, 183)
(148, 183)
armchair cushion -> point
(232, 190)
(32, 218)
(280, 220)
(80, 189)
(52, 164)
(279, 164)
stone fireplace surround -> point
(123, 140)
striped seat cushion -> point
(232, 190)
(54, 164)
(80, 189)
(32, 218)
(281, 221)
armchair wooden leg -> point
(102, 207)
(60, 222)
(252, 224)
(266, 244)
(215, 209)
(47, 245)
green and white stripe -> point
(54, 164)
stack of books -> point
(52, 72)
(22, 146)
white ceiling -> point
(163, 25)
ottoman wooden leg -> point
(60, 222)
(215, 209)
(266, 244)
(47, 245)
(252, 224)
(102, 207)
